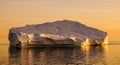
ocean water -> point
(84, 55)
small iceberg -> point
(56, 34)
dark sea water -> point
(85, 55)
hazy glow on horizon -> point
(101, 14)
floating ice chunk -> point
(60, 33)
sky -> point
(101, 14)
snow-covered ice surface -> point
(64, 32)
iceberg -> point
(56, 34)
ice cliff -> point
(58, 33)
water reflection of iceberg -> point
(55, 56)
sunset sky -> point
(101, 14)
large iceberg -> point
(58, 33)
